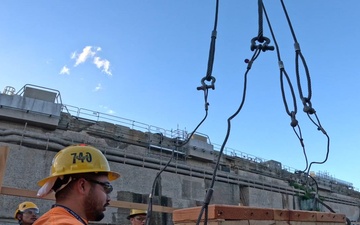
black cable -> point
(257, 50)
(298, 54)
(205, 88)
(306, 101)
(299, 136)
(317, 199)
(260, 21)
(261, 38)
(320, 128)
(210, 190)
(152, 193)
(283, 74)
(212, 45)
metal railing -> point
(132, 124)
(57, 98)
(236, 153)
(179, 134)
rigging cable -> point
(205, 87)
(294, 122)
(257, 50)
(212, 46)
(210, 189)
(306, 101)
(317, 199)
(284, 75)
(152, 193)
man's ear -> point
(19, 216)
(81, 186)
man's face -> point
(29, 216)
(98, 198)
(138, 220)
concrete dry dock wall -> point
(129, 151)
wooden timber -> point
(243, 215)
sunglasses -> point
(108, 188)
(31, 211)
(139, 218)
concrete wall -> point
(183, 185)
(35, 111)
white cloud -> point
(65, 70)
(89, 52)
(98, 87)
(84, 55)
(104, 64)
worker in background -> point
(26, 213)
(137, 217)
(80, 177)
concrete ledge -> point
(29, 110)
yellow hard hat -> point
(79, 159)
(24, 206)
(135, 212)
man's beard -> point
(99, 216)
(93, 213)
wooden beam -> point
(24, 193)
(116, 204)
(132, 205)
(4, 151)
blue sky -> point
(143, 60)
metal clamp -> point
(308, 106)
(264, 47)
(205, 86)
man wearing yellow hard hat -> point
(26, 213)
(80, 177)
(137, 217)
